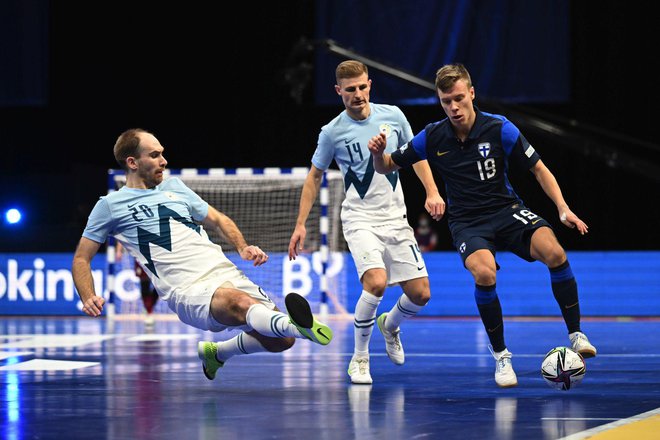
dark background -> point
(219, 88)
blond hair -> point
(350, 69)
(447, 75)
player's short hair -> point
(350, 69)
(127, 145)
(447, 75)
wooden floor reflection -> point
(83, 378)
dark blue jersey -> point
(474, 171)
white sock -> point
(363, 320)
(238, 345)
(270, 322)
(403, 309)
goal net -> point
(264, 205)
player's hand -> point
(573, 221)
(93, 306)
(435, 206)
(297, 242)
(377, 144)
(254, 253)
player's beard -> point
(153, 178)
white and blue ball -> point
(563, 368)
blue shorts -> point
(509, 229)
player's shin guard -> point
(490, 311)
(564, 288)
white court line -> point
(622, 422)
(56, 341)
(161, 337)
(47, 365)
(9, 354)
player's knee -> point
(484, 275)
(374, 281)
(420, 293)
(421, 298)
(232, 302)
(555, 257)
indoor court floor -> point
(94, 378)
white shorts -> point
(193, 304)
(391, 247)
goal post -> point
(263, 202)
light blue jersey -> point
(371, 198)
(159, 227)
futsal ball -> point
(563, 368)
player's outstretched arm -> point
(434, 204)
(81, 270)
(383, 162)
(308, 196)
(220, 222)
(551, 188)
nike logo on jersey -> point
(420, 268)
(536, 221)
(130, 206)
(441, 154)
(348, 141)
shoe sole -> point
(508, 386)
(369, 382)
(587, 354)
(301, 316)
(202, 356)
(299, 310)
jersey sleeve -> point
(324, 153)
(405, 155)
(517, 147)
(412, 152)
(99, 222)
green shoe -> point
(210, 364)
(301, 316)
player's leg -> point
(415, 296)
(374, 282)
(237, 303)
(481, 264)
(147, 293)
(266, 328)
(475, 242)
(232, 307)
(545, 247)
(406, 267)
(367, 252)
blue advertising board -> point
(610, 283)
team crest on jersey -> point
(385, 128)
(462, 247)
(170, 195)
(484, 149)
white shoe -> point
(393, 345)
(505, 377)
(358, 369)
(581, 344)
(149, 320)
